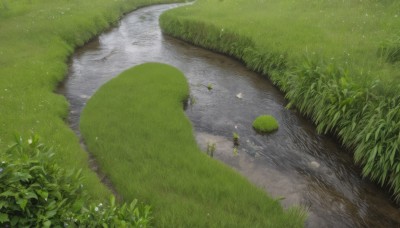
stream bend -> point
(295, 162)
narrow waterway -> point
(295, 163)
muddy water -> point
(294, 163)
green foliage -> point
(235, 139)
(124, 125)
(210, 86)
(265, 124)
(365, 121)
(235, 151)
(332, 73)
(36, 39)
(4, 5)
(211, 147)
(111, 215)
(35, 191)
(390, 50)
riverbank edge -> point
(159, 161)
(365, 120)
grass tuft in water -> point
(235, 139)
(265, 124)
(211, 147)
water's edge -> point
(295, 162)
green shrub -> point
(126, 215)
(265, 124)
(35, 191)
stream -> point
(294, 163)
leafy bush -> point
(265, 124)
(127, 215)
(35, 191)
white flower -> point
(96, 209)
(30, 141)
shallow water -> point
(295, 162)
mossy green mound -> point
(265, 124)
(136, 127)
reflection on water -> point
(294, 163)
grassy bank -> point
(337, 61)
(36, 38)
(136, 127)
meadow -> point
(36, 40)
(136, 128)
(337, 61)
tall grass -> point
(337, 61)
(36, 38)
(136, 127)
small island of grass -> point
(265, 124)
(136, 128)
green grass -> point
(136, 127)
(265, 124)
(36, 39)
(345, 32)
(337, 61)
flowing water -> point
(294, 163)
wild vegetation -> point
(36, 192)
(36, 39)
(337, 61)
(265, 124)
(136, 127)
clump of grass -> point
(265, 124)
(235, 139)
(211, 147)
(158, 160)
(235, 151)
(4, 5)
(209, 86)
(390, 50)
